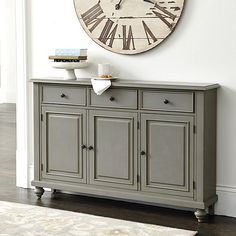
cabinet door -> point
(167, 160)
(63, 134)
(113, 159)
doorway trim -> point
(22, 104)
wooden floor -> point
(217, 225)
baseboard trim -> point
(22, 169)
(2, 96)
(226, 204)
(226, 188)
(31, 176)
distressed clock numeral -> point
(128, 38)
(136, 27)
(165, 14)
(91, 17)
(108, 33)
(149, 33)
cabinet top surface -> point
(133, 83)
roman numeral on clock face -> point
(127, 39)
(91, 17)
(149, 33)
(129, 26)
(108, 34)
(165, 14)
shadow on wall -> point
(226, 126)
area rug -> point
(26, 220)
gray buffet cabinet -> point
(149, 142)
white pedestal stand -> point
(69, 68)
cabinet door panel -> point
(62, 138)
(114, 138)
(168, 143)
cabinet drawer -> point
(167, 101)
(64, 95)
(117, 98)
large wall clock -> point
(129, 26)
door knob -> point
(112, 99)
(166, 101)
(90, 148)
(143, 153)
(63, 95)
(83, 146)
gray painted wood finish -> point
(166, 101)
(113, 159)
(117, 98)
(167, 160)
(135, 147)
(63, 137)
(124, 83)
(64, 95)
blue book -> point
(70, 52)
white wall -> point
(0, 66)
(8, 51)
(202, 49)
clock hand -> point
(118, 5)
(149, 1)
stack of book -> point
(69, 55)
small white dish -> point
(99, 78)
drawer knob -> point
(63, 95)
(83, 146)
(166, 101)
(143, 153)
(112, 99)
(90, 148)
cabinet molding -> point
(167, 165)
(63, 135)
(113, 159)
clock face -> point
(128, 26)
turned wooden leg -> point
(53, 191)
(211, 210)
(39, 192)
(200, 215)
